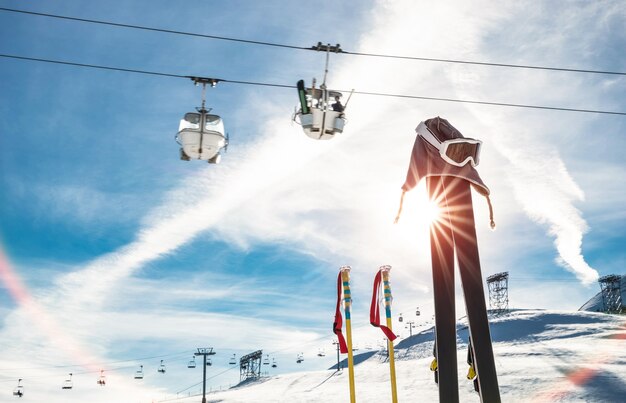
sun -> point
(430, 211)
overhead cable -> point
(516, 66)
(166, 31)
(380, 94)
(279, 45)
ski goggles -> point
(457, 152)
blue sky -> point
(129, 252)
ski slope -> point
(541, 356)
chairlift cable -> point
(279, 45)
(97, 364)
(508, 65)
(144, 28)
(405, 96)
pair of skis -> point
(455, 233)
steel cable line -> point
(516, 66)
(181, 354)
(256, 83)
(144, 28)
(265, 43)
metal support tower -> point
(250, 366)
(498, 285)
(336, 343)
(611, 293)
(410, 324)
(204, 352)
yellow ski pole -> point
(392, 365)
(347, 303)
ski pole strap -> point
(375, 309)
(338, 324)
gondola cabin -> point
(201, 137)
(321, 113)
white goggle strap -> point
(426, 134)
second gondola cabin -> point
(321, 113)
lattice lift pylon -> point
(498, 285)
(250, 366)
(611, 293)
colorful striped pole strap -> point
(343, 347)
(375, 309)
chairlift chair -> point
(161, 368)
(19, 389)
(102, 378)
(139, 373)
(68, 384)
(417, 311)
(266, 361)
(201, 134)
(208, 362)
(274, 365)
(233, 360)
(400, 319)
(321, 353)
(192, 363)
(300, 358)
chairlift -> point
(19, 389)
(201, 134)
(161, 368)
(208, 362)
(139, 373)
(192, 363)
(68, 384)
(274, 365)
(102, 379)
(233, 360)
(417, 311)
(321, 353)
(400, 319)
(300, 358)
(266, 360)
(319, 116)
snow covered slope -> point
(541, 356)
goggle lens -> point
(461, 152)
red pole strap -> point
(375, 309)
(343, 347)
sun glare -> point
(431, 211)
